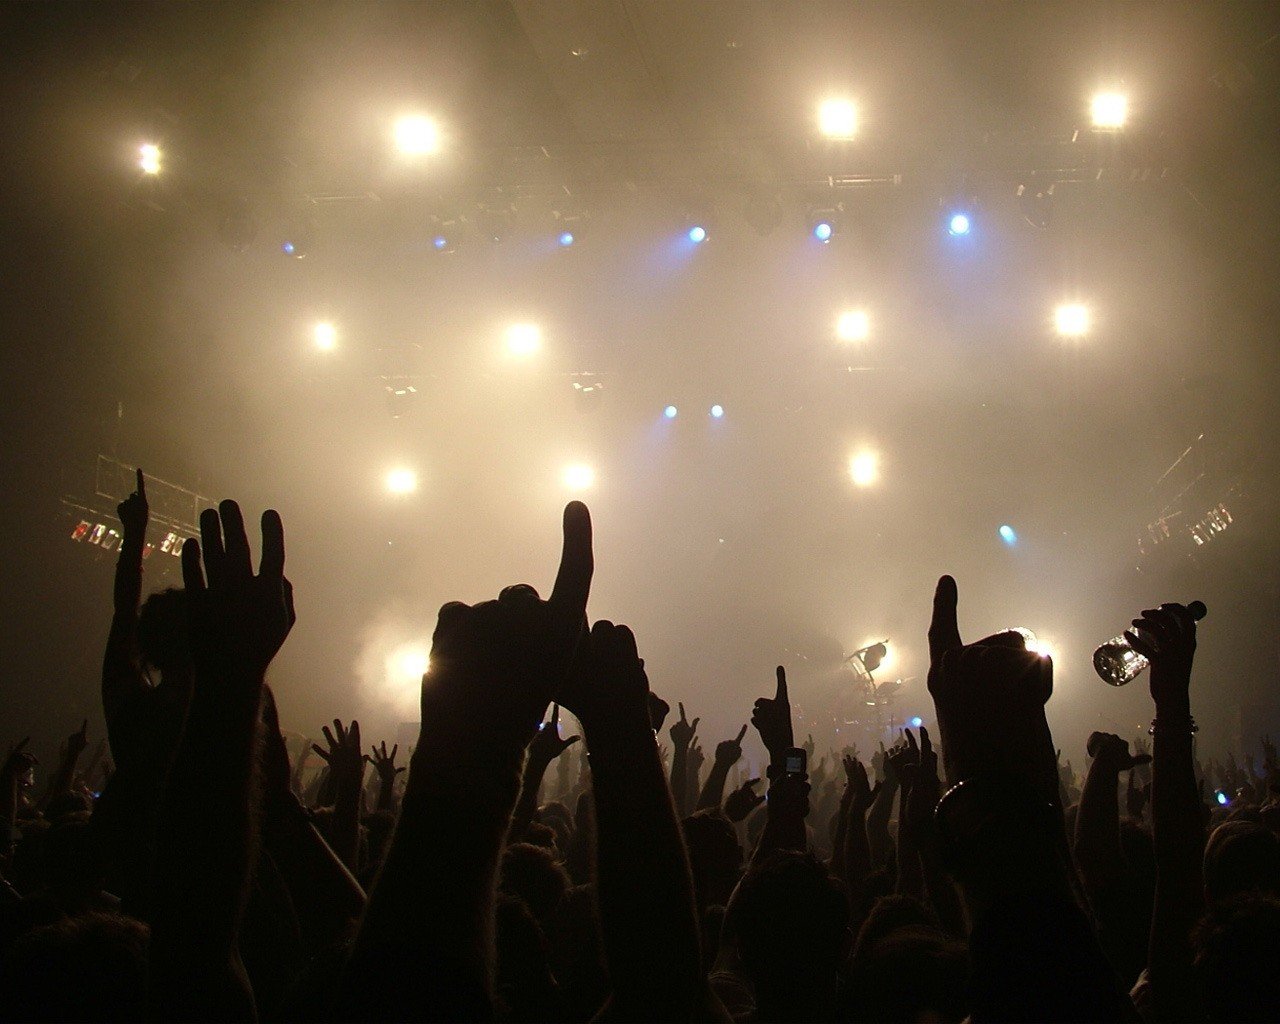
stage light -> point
(410, 662)
(837, 119)
(578, 476)
(1072, 320)
(1222, 798)
(1008, 534)
(670, 412)
(417, 136)
(1043, 648)
(853, 325)
(402, 481)
(822, 231)
(864, 468)
(916, 722)
(326, 337)
(566, 238)
(1109, 110)
(717, 412)
(524, 339)
(440, 242)
(959, 224)
(697, 234)
(149, 158)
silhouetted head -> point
(1241, 856)
(163, 638)
(533, 874)
(1235, 946)
(912, 972)
(714, 854)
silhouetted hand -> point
(608, 690)
(658, 709)
(728, 752)
(345, 756)
(385, 763)
(134, 513)
(696, 757)
(546, 744)
(858, 786)
(238, 620)
(1113, 752)
(742, 801)
(77, 742)
(772, 719)
(1166, 636)
(682, 732)
(496, 666)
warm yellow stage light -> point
(1072, 320)
(864, 468)
(524, 339)
(1109, 110)
(402, 481)
(326, 337)
(578, 476)
(417, 136)
(853, 325)
(837, 119)
(149, 158)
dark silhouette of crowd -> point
(193, 867)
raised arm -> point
(384, 766)
(682, 733)
(788, 800)
(346, 770)
(544, 748)
(1097, 840)
(424, 950)
(728, 753)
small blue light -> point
(717, 411)
(917, 722)
(566, 238)
(287, 248)
(440, 241)
(822, 231)
(670, 412)
(959, 224)
(1008, 534)
(697, 234)
(1222, 798)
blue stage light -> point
(917, 722)
(717, 411)
(670, 412)
(287, 248)
(697, 234)
(440, 242)
(1008, 535)
(1222, 798)
(822, 231)
(959, 224)
(566, 238)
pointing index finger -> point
(741, 732)
(782, 685)
(142, 486)
(577, 562)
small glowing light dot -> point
(837, 119)
(1071, 320)
(1109, 110)
(864, 469)
(916, 722)
(670, 412)
(149, 158)
(402, 481)
(524, 339)
(959, 224)
(326, 337)
(717, 411)
(1008, 534)
(853, 325)
(578, 476)
(822, 231)
(1222, 798)
(566, 238)
(697, 234)
(440, 242)
(287, 248)
(417, 136)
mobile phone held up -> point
(795, 764)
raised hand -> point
(77, 742)
(1166, 636)
(496, 666)
(385, 763)
(1114, 752)
(134, 513)
(858, 786)
(658, 709)
(742, 801)
(771, 717)
(728, 752)
(696, 757)
(345, 756)
(682, 732)
(239, 620)
(547, 745)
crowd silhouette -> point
(192, 867)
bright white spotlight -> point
(717, 412)
(916, 722)
(1071, 320)
(524, 339)
(697, 234)
(566, 238)
(959, 224)
(326, 337)
(1109, 110)
(1042, 647)
(578, 476)
(1008, 534)
(837, 119)
(149, 158)
(853, 325)
(417, 136)
(402, 481)
(822, 231)
(410, 662)
(670, 412)
(864, 468)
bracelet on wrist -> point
(1174, 724)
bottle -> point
(1117, 663)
